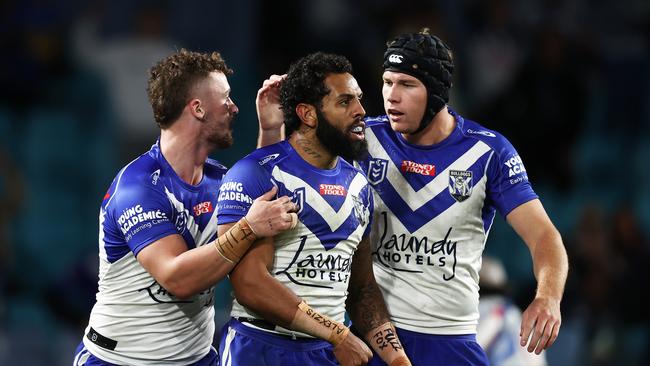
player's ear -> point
(307, 114)
(196, 110)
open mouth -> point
(394, 114)
(357, 130)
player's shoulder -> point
(137, 180)
(473, 130)
(144, 170)
(264, 158)
(214, 168)
(350, 167)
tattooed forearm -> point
(367, 307)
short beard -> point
(220, 139)
(336, 142)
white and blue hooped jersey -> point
(135, 320)
(434, 207)
(315, 258)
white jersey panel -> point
(434, 206)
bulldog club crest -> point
(377, 171)
(460, 184)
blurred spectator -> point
(632, 274)
(547, 96)
(123, 60)
(610, 257)
(11, 200)
(492, 47)
(500, 320)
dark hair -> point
(171, 80)
(305, 83)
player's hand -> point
(352, 351)
(269, 218)
(267, 102)
(540, 324)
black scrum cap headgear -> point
(427, 58)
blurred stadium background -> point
(566, 81)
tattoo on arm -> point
(367, 306)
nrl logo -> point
(377, 171)
(299, 199)
(460, 184)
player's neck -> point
(440, 128)
(311, 150)
(185, 155)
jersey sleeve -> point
(141, 213)
(243, 183)
(508, 185)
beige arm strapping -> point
(234, 243)
(309, 321)
(383, 339)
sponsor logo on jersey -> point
(417, 168)
(233, 191)
(481, 132)
(515, 166)
(407, 253)
(160, 295)
(154, 177)
(268, 158)
(332, 190)
(203, 207)
(395, 58)
(460, 184)
(319, 269)
(137, 215)
(377, 170)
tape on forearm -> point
(308, 320)
(234, 243)
(401, 361)
(383, 339)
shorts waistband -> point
(275, 339)
(442, 337)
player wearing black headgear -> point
(439, 179)
(427, 58)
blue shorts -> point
(439, 350)
(82, 357)
(242, 345)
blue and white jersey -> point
(498, 334)
(315, 258)
(135, 320)
(434, 207)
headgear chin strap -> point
(427, 58)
